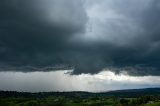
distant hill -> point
(133, 92)
(79, 94)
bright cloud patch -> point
(47, 81)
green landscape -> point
(134, 97)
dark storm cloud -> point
(88, 36)
(126, 34)
(36, 32)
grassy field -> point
(153, 104)
(147, 97)
(82, 101)
(55, 101)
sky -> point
(62, 81)
(79, 40)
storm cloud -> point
(86, 35)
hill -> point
(132, 97)
(79, 94)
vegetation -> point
(116, 98)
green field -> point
(79, 101)
(153, 104)
(55, 101)
(148, 97)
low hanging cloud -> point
(87, 35)
(47, 81)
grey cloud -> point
(36, 33)
(129, 33)
(81, 34)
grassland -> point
(149, 97)
(153, 104)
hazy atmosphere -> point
(61, 81)
(79, 45)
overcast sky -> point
(61, 81)
(86, 36)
